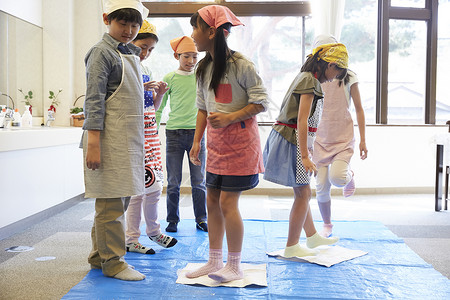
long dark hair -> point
(221, 52)
(315, 65)
(346, 79)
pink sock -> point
(214, 264)
(231, 271)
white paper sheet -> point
(253, 275)
(327, 256)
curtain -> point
(328, 16)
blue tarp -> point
(391, 270)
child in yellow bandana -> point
(146, 40)
(335, 139)
(287, 154)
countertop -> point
(36, 137)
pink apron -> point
(334, 137)
(234, 150)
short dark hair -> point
(127, 15)
(146, 35)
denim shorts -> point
(231, 183)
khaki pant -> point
(108, 236)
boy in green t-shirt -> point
(180, 129)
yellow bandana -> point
(335, 53)
(147, 27)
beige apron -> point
(334, 137)
(121, 171)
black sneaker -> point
(172, 227)
(202, 226)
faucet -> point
(14, 105)
(8, 118)
(50, 117)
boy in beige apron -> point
(113, 146)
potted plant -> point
(28, 96)
(77, 114)
(55, 102)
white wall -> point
(71, 28)
(88, 30)
(27, 10)
(400, 159)
(58, 25)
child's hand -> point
(159, 92)
(151, 85)
(218, 120)
(93, 149)
(93, 158)
(162, 88)
(363, 150)
(309, 166)
(193, 154)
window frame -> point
(245, 9)
(428, 14)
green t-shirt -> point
(181, 96)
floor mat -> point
(389, 270)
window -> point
(359, 34)
(406, 40)
(443, 61)
(274, 43)
(391, 43)
(407, 72)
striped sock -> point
(214, 263)
(231, 271)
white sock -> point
(231, 271)
(214, 264)
(130, 275)
(317, 240)
(299, 251)
(327, 230)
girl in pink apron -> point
(230, 94)
(146, 40)
(287, 154)
(333, 147)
